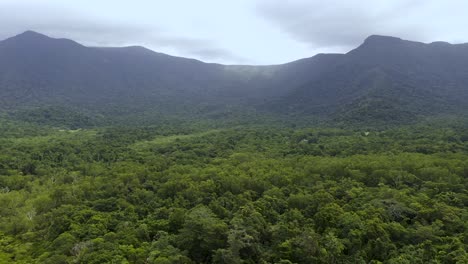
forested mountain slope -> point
(36, 69)
(384, 79)
(388, 78)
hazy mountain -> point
(36, 68)
(385, 78)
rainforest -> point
(263, 193)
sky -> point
(237, 31)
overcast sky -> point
(237, 31)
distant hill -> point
(386, 79)
(37, 69)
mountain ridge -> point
(382, 76)
(373, 38)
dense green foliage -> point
(246, 194)
(57, 116)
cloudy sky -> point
(237, 31)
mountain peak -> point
(30, 35)
(31, 38)
(379, 43)
(379, 39)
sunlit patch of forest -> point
(238, 194)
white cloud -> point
(344, 24)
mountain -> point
(387, 78)
(384, 79)
(36, 69)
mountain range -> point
(385, 79)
